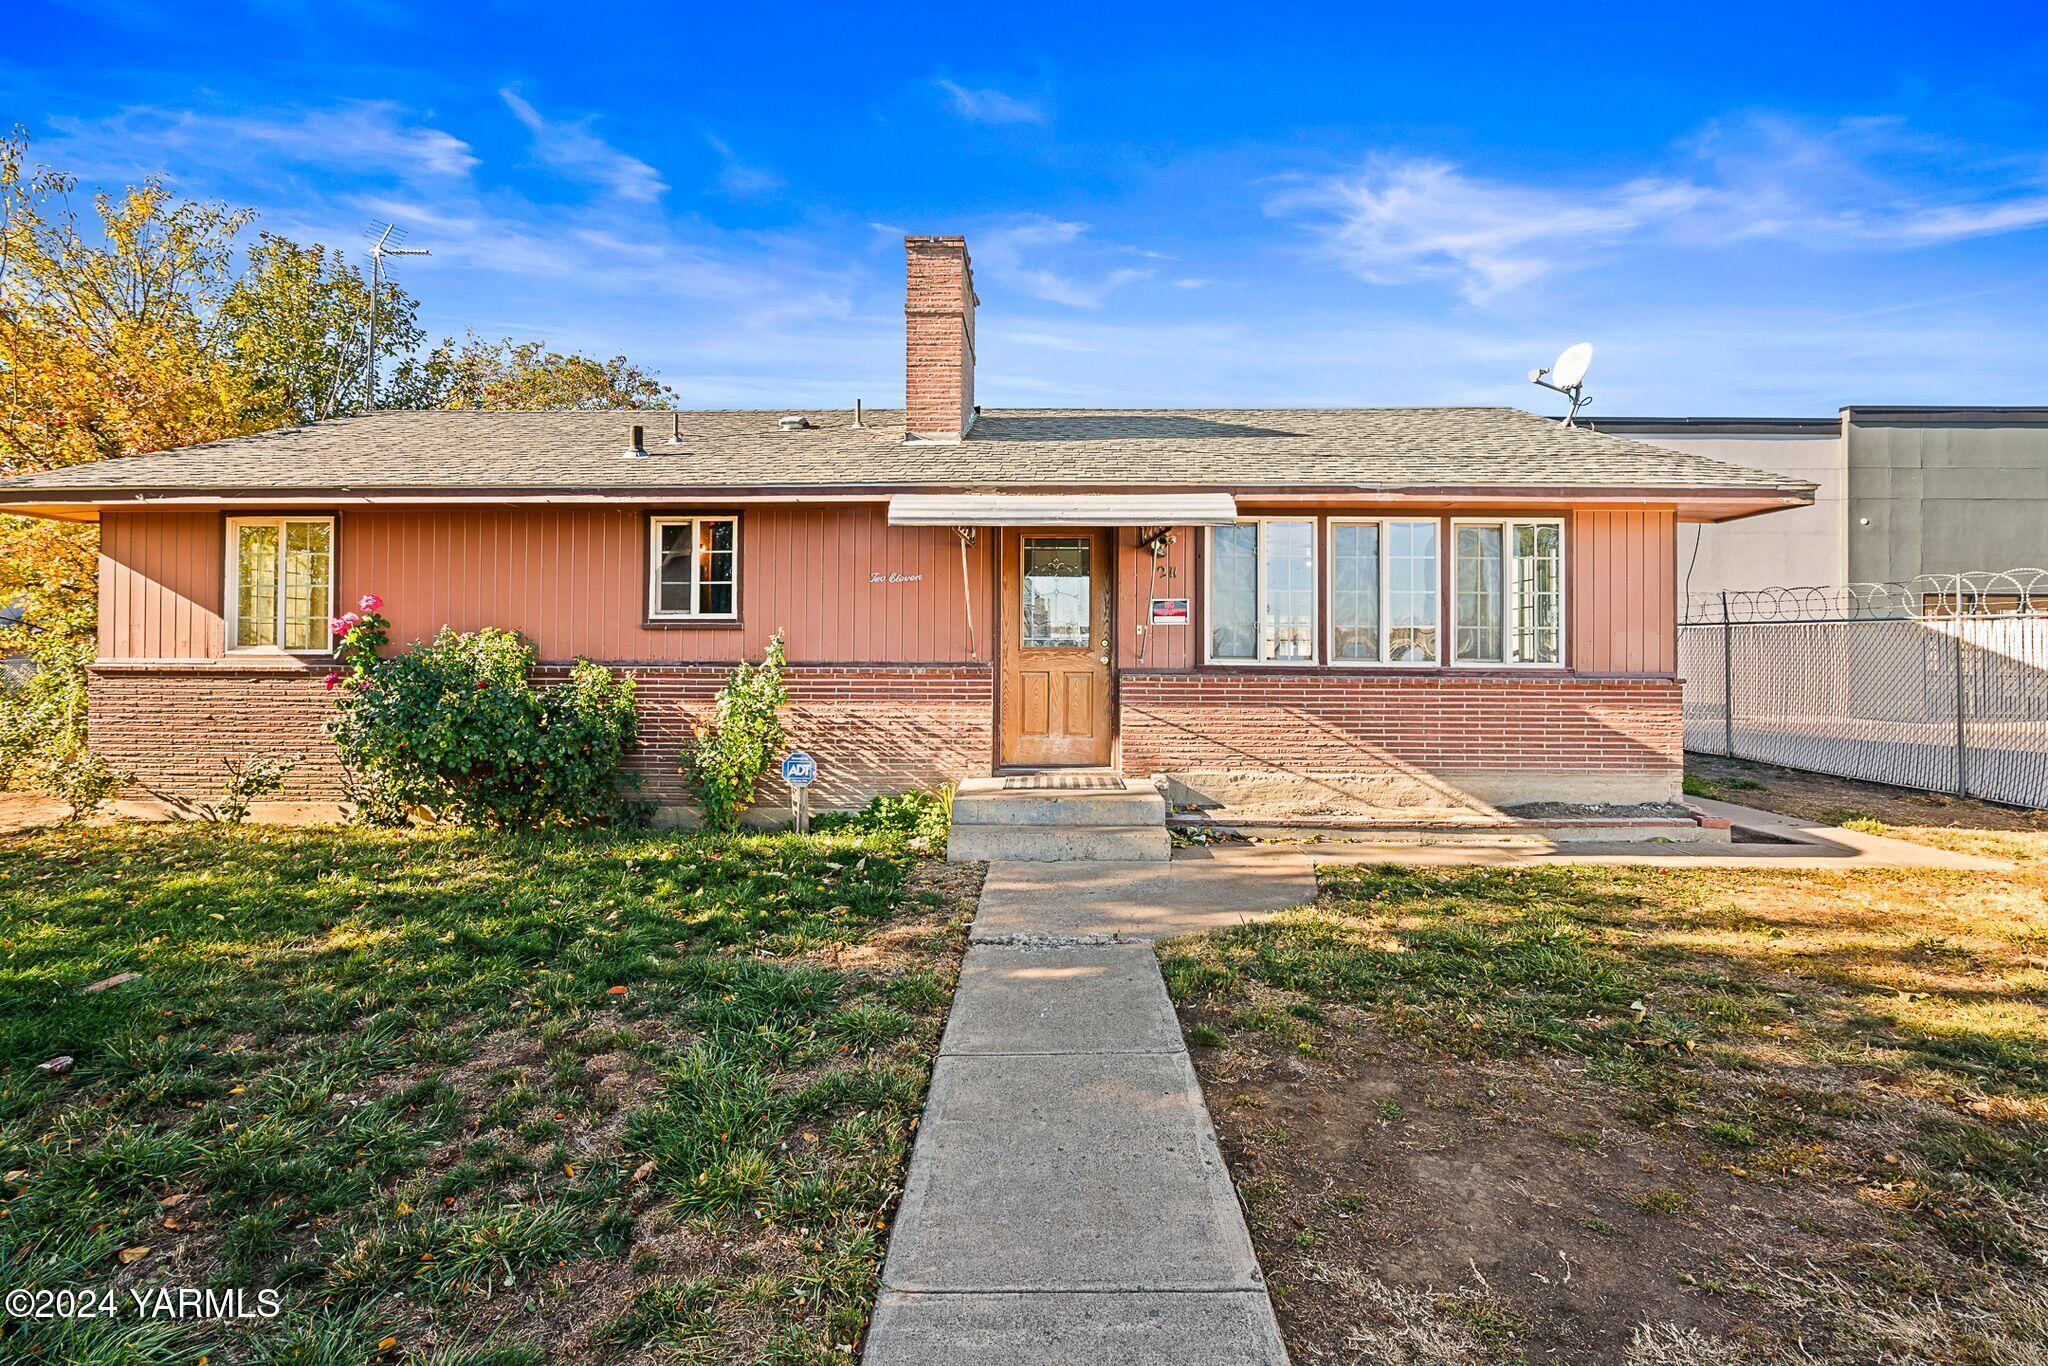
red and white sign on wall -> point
(1169, 611)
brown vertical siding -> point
(1621, 585)
(160, 584)
(574, 580)
(1139, 578)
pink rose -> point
(331, 682)
(339, 626)
(371, 602)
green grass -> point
(415, 1082)
(1717, 789)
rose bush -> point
(454, 727)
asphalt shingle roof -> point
(1235, 449)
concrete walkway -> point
(1803, 845)
(1066, 1200)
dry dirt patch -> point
(1635, 1115)
(1405, 1211)
(1958, 823)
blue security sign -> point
(799, 770)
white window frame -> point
(1436, 587)
(1447, 551)
(1315, 634)
(694, 521)
(231, 580)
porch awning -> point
(1062, 509)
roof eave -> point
(1693, 504)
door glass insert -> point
(1057, 611)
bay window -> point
(280, 583)
(1507, 592)
(694, 570)
(1263, 591)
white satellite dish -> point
(1570, 370)
(1568, 376)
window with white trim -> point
(280, 580)
(1262, 591)
(1507, 592)
(1383, 591)
(694, 568)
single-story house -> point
(1295, 608)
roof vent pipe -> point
(857, 414)
(636, 446)
(675, 435)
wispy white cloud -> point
(985, 104)
(356, 136)
(570, 147)
(1399, 220)
(1866, 184)
(1871, 182)
(729, 315)
(739, 178)
(1053, 260)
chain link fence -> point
(1940, 685)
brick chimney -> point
(938, 345)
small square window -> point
(695, 569)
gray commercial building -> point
(1903, 492)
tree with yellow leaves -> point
(106, 349)
(512, 374)
(129, 327)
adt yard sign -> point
(800, 770)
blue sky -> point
(1778, 209)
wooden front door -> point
(1056, 643)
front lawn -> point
(1608, 1114)
(462, 1097)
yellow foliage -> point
(105, 350)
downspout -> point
(967, 535)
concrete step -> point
(1062, 843)
(1460, 830)
(987, 801)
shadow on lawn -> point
(436, 1086)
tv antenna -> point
(386, 244)
(1568, 377)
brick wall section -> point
(1360, 723)
(873, 729)
(891, 728)
(938, 347)
(173, 726)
